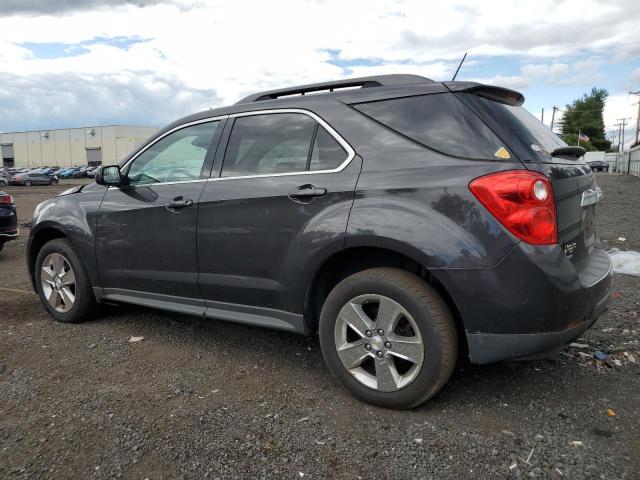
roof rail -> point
(362, 82)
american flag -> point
(582, 137)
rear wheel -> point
(388, 337)
(62, 282)
(3, 183)
(28, 183)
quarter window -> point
(177, 157)
(327, 153)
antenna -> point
(458, 69)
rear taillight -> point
(6, 200)
(522, 201)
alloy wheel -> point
(379, 342)
(58, 282)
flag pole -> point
(578, 137)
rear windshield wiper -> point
(575, 152)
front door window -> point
(178, 157)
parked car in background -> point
(599, 166)
(31, 178)
(65, 173)
(8, 219)
(91, 172)
(70, 173)
(404, 220)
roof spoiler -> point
(328, 87)
(572, 152)
(490, 92)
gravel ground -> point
(207, 399)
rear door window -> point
(275, 143)
(440, 122)
(268, 144)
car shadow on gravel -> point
(495, 384)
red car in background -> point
(8, 219)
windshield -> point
(514, 124)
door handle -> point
(307, 192)
(178, 203)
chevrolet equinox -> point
(406, 221)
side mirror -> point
(109, 176)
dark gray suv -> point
(408, 222)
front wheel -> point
(62, 282)
(28, 183)
(388, 337)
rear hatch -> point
(574, 184)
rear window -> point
(439, 121)
(516, 124)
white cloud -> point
(436, 70)
(618, 107)
(235, 48)
(514, 82)
(551, 73)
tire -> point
(27, 183)
(1, 245)
(421, 307)
(84, 301)
(54, 182)
(3, 183)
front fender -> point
(74, 217)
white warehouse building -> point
(71, 146)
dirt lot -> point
(207, 399)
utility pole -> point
(553, 116)
(623, 122)
(637, 93)
(542, 116)
(617, 125)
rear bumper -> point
(487, 347)
(533, 303)
(8, 223)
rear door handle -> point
(178, 203)
(307, 192)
